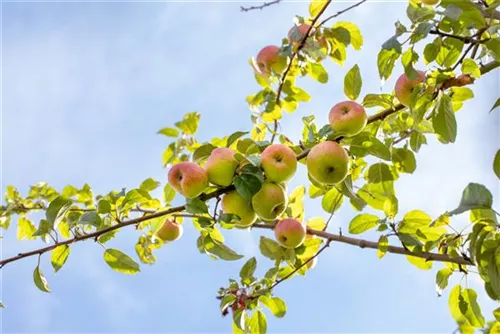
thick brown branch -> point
(374, 245)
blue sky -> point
(85, 88)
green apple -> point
(279, 163)
(221, 166)
(347, 118)
(327, 163)
(170, 231)
(270, 201)
(290, 233)
(235, 204)
(188, 179)
(405, 86)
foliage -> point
(460, 43)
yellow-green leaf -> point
(120, 262)
(363, 222)
(383, 245)
(40, 281)
(59, 256)
(25, 229)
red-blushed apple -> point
(279, 163)
(328, 163)
(188, 179)
(221, 166)
(267, 58)
(170, 231)
(235, 204)
(405, 86)
(290, 233)
(270, 201)
(347, 118)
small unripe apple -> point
(267, 58)
(170, 231)
(221, 166)
(270, 201)
(405, 86)
(188, 179)
(290, 233)
(347, 118)
(234, 203)
(279, 163)
(328, 163)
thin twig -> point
(341, 12)
(264, 5)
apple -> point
(327, 163)
(170, 231)
(188, 178)
(235, 204)
(290, 233)
(279, 163)
(270, 201)
(297, 33)
(221, 166)
(267, 58)
(404, 87)
(347, 118)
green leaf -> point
(103, 206)
(220, 250)
(59, 256)
(362, 223)
(40, 281)
(316, 223)
(377, 100)
(56, 210)
(496, 164)
(404, 160)
(469, 66)
(417, 13)
(189, 123)
(474, 196)
(276, 305)
(421, 32)
(442, 277)
(270, 248)
(379, 172)
(496, 105)
(416, 141)
(227, 301)
(364, 144)
(332, 200)
(496, 313)
(408, 59)
(90, 218)
(168, 193)
(419, 262)
(473, 314)
(43, 228)
(149, 185)
(383, 246)
(449, 52)
(353, 83)
(168, 155)
(317, 72)
(351, 34)
(169, 132)
(416, 218)
(196, 206)
(25, 229)
(234, 137)
(258, 322)
(386, 60)
(247, 185)
(431, 51)
(248, 269)
(494, 46)
(376, 194)
(202, 152)
(121, 262)
(444, 121)
(315, 7)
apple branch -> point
(459, 81)
(374, 245)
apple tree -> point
(353, 158)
